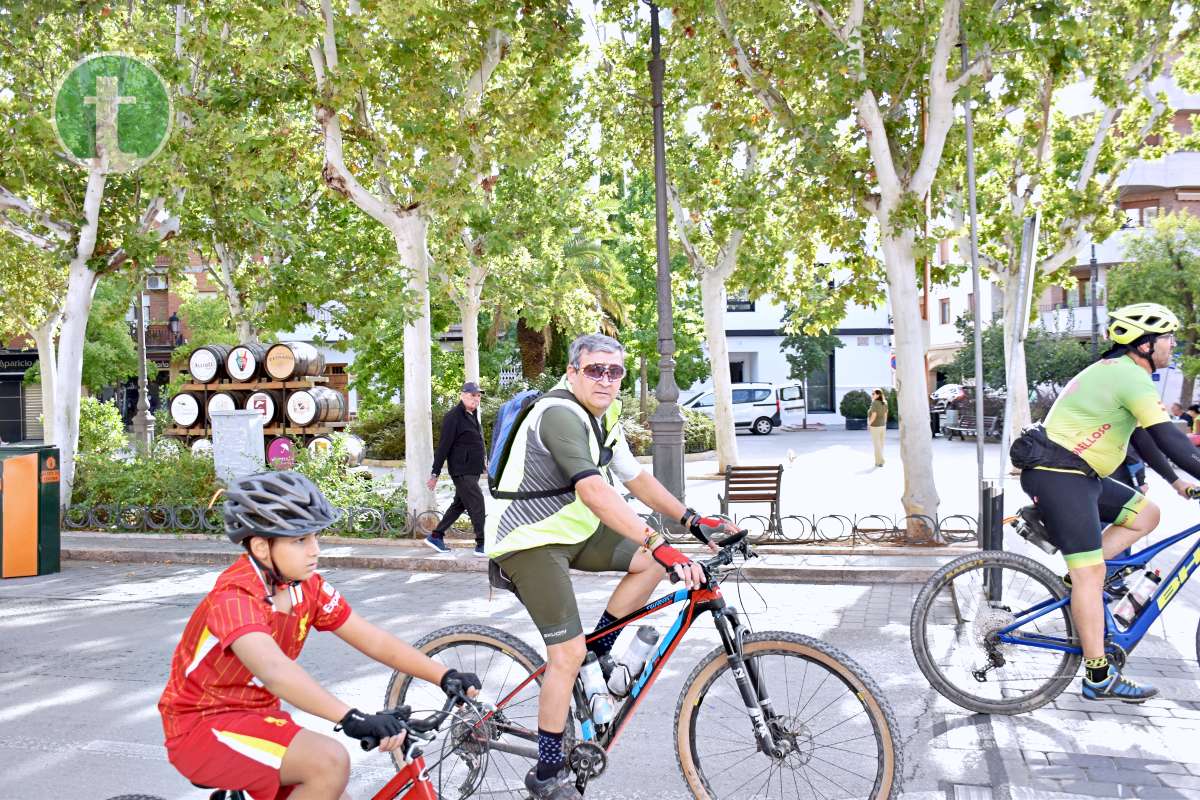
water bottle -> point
(632, 661)
(1133, 602)
(601, 702)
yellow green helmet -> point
(1129, 323)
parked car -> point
(759, 407)
(945, 395)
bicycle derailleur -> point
(587, 760)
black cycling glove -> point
(455, 682)
(703, 528)
(358, 725)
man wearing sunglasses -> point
(566, 514)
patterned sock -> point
(604, 645)
(550, 754)
(1097, 669)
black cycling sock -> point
(1097, 669)
(604, 645)
(550, 754)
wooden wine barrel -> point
(185, 409)
(287, 360)
(266, 402)
(318, 404)
(201, 446)
(320, 446)
(244, 362)
(281, 453)
(207, 364)
(225, 401)
(355, 448)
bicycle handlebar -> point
(419, 727)
(734, 543)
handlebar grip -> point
(369, 743)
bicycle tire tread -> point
(868, 685)
(923, 605)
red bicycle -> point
(770, 714)
(411, 782)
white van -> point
(759, 407)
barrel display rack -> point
(212, 360)
(205, 390)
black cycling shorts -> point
(1076, 509)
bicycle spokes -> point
(822, 741)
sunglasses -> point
(614, 372)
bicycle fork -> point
(750, 684)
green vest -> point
(514, 525)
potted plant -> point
(854, 407)
(893, 421)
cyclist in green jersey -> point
(1067, 463)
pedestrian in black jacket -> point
(461, 449)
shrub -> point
(171, 476)
(344, 486)
(382, 430)
(101, 431)
(855, 404)
(893, 405)
(699, 432)
(638, 437)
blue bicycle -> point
(992, 631)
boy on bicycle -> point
(1066, 467)
(221, 712)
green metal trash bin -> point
(29, 533)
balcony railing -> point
(158, 335)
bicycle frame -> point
(1128, 638)
(410, 783)
(698, 601)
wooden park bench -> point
(754, 485)
(964, 427)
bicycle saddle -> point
(221, 794)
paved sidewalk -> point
(775, 563)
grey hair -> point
(592, 343)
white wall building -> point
(755, 354)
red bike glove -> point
(669, 557)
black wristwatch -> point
(688, 515)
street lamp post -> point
(1095, 315)
(143, 420)
(173, 326)
(666, 423)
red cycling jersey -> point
(206, 677)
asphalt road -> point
(84, 655)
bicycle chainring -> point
(588, 760)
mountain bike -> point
(766, 714)
(992, 631)
(411, 782)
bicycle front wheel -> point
(487, 759)
(955, 624)
(838, 731)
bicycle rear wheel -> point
(840, 731)
(488, 759)
(954, 624)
